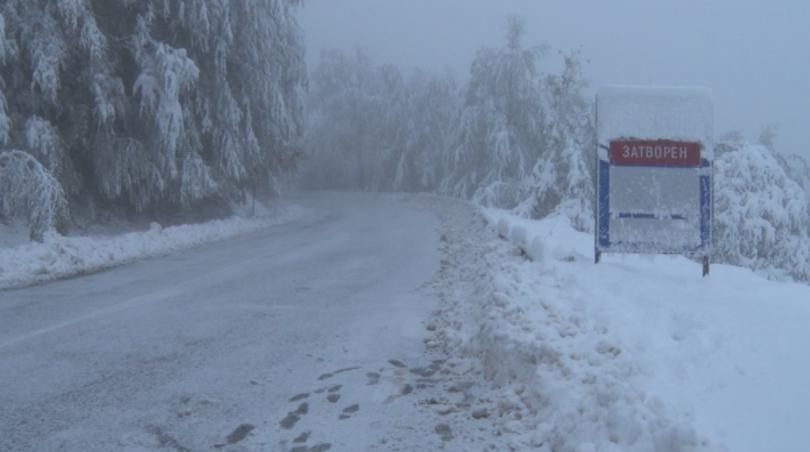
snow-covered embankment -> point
(634, 354)
(61, 257)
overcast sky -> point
(754, 55)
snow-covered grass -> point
(634, 354)
(61, 257)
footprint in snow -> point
(329, 375)
(302, 438)
(349, 411)
(294, 416)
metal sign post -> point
(654, 172)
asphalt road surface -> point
(298, 337)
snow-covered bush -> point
(761, 213)
(28, 190)
(797, 168)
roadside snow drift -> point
(60, 257)
(634, 354)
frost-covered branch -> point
(28, 190)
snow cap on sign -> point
(653, 113)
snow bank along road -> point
(302, 336)
(60, 257)
(641, 353)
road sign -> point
(654, 171)
(655, 153)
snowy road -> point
(246, 344)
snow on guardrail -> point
(531, 236)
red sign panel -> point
(654, 153)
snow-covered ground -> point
(634, 354)
(26, 263)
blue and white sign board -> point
(654, 171)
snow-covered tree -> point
(371, 129)
(29, 191)
(430, 119)
(768, 135)
(346, 105)
(525, 139)
(5, 53)
(501, 134)
(761, 213)
(562, 179)
(46, 145)
(155, 104)
(797, 168)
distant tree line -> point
(142, 107)
(513, 137)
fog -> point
(754, 57)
